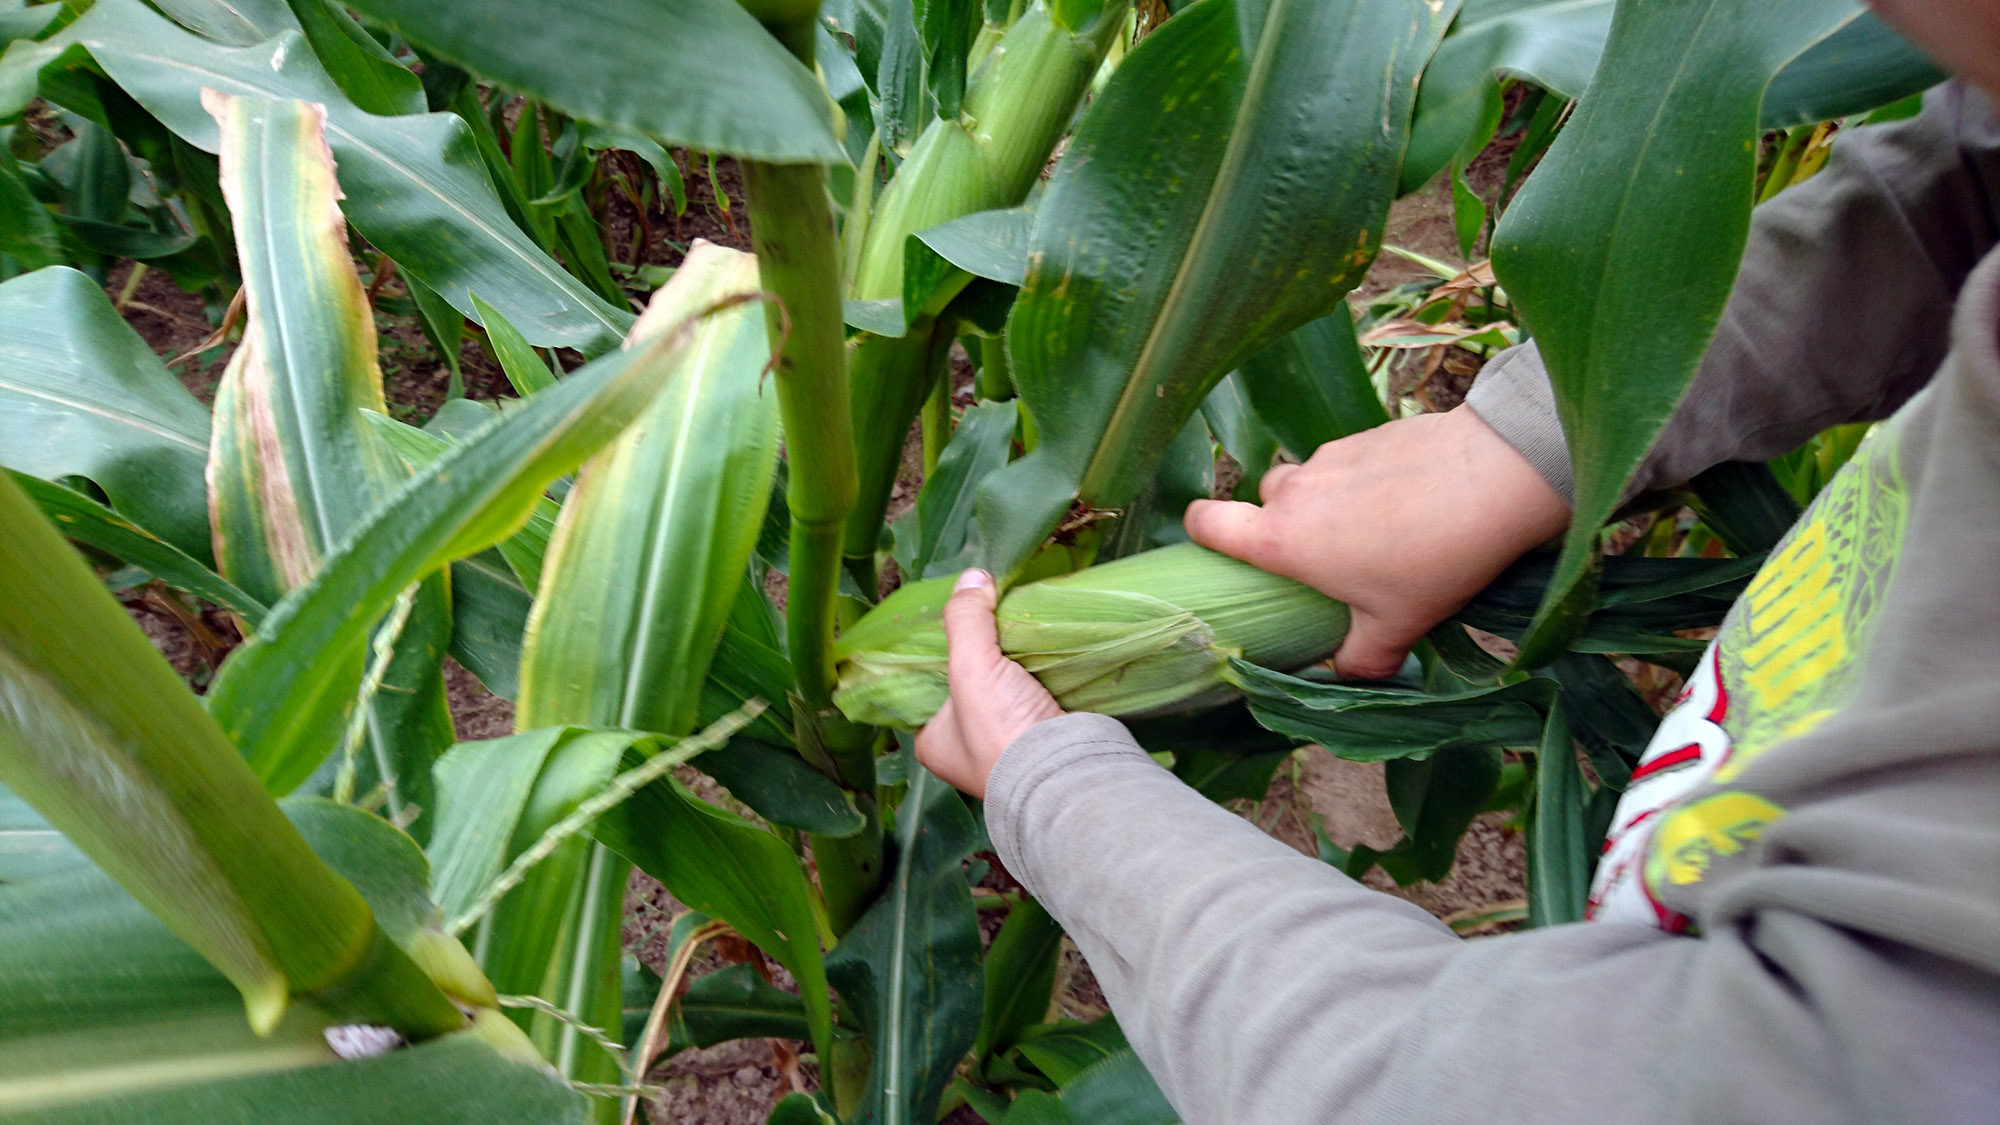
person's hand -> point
(993, 700)
(1404, 523)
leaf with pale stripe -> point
(294, 464)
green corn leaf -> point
(1017, 105)
(1020, 977)
(29, 22)
(1860, 67)
(416, 186)
(283, 695)
(30, 847)
(517, 358)
(444, 327)
(82, 395)
(1556, 44)
(939, 536)
(1177, 238)
(1663, 142)
(779, 786)
(723, 866)
(1642, 602)
(734, 1003)
(1065, 1049)
(525, 550)
(364, 69)
(27, 230)
(106, 1015)
(654, 536)
(497, 799)
(1435, 799)
(1241, 433)
(294, 465)
(1117, 1091)
(699, 73)
(84, 520)
(910, 966)
(1559, 861)
(1383, 724)
(99, 733)
(645, 564)
(800, 1109)
(235, 23)
(1312, 386)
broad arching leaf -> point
(700, 73)
(1228, 186)
(1621, 250)
(82, 395)
(416, 187)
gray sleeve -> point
(1841, 311)
(1259, 985)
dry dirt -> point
(736, 1084)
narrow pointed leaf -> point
(84, 520)
(1663, 141)
(517, 358)
(283, 695)
(416, 186)
(1189, 225)
(1559, 866)
(364, 69)
(81, 394)
(940, 536)
(27, 228)
(1556, 44)
(700, 73)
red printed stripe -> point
(1670, 760)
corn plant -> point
(671, 555)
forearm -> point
(1261, 985)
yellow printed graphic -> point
(1692, 837)
(1792, 651)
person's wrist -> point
(1505, 494)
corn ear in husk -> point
(1147, 634)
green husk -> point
(1147, 634)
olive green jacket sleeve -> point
(1839, 315)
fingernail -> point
(972, 580)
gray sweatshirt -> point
(1799, 912)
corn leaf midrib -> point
(638, 658)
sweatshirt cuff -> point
(1513, 395)
(1039, 755)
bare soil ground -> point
(737, 1084)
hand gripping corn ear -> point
(1146, 634)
